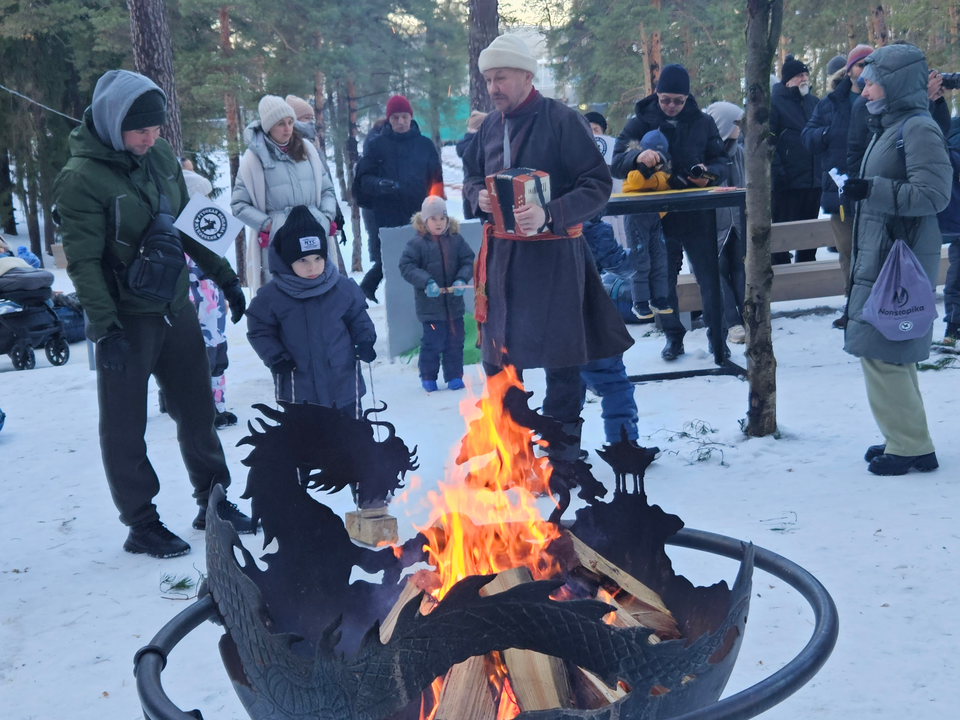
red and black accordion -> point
(512, 189)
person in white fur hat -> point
(540, 302)
(278, 171)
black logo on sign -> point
(210, 224)
(901, 296)
(601, 144)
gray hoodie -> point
(112, 97)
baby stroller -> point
(27, 320)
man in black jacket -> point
(796, 171)
(399, 168)
(694, 142)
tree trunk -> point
(353, 155)
(484, 27)
(851, 36)
(764, 18)
(318, 97)
(153, 57)
(879, 26)
(33, 212)
(8, 223)
(231, 114)
(645, 51)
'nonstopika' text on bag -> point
(901, 305)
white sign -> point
(209, 224)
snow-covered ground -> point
(74, 607)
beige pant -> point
(894, 395)
(843, 236)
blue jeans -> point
(951, 291)
(442, 338)
(608, 379)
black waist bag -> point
(153, 275)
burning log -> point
(540, 682)
(590, 691)
(466, 693)
(639, 601)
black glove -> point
(283, 366)
(857, 189)
(236, 299)
(388, 187)
(113, 351)
(366, 352)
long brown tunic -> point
(546, 304)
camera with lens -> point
(697, 172)
(951, 81)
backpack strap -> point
(900, 151)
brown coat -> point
(546, 304)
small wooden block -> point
(372, 526)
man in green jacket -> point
(106, 197)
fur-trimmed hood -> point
(420, 225)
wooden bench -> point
(797, 281)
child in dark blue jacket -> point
(309, 324)
(439, 264)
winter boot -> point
(642, 310)
(841, 322)
(673, 349)
(225, 419)
(661, 306)
(737, 335)
(229, 512)
(152, 538)
(567, 453)
(874, 451)
(456, 384)
(429, 385)
(163, 403)
(952, 335)
(901, 464)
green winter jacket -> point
(105, 200)
(915, 181)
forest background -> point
(347, 58)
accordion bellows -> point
(512, 189)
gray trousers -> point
(175, 354)
(897, 406)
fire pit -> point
(511, 616)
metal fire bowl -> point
(150, 660)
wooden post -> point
(764, 20)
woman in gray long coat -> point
(913, 181)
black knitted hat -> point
(595, 117)
(148, 110)
(791, 68)
(300, 235)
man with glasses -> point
(697, 159)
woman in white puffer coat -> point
(278, 171)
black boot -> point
(901, 464)
(152, 538)
(229, 512)
(673, 349)
(224, 419)
(952, 335)
(874, 451)
(841, 322)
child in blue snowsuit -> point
(608, 377)
(309, 324)
(439, 264)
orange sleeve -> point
(636, 182)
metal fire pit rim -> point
(150, 660)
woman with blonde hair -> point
(278, 171)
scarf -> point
(297, 287)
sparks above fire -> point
(518, 615)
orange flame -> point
(486, 518)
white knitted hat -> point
(273, 109)
(433, 206)
(508, 51)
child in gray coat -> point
(309, 324)
(439, 264)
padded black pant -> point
(175, 354)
